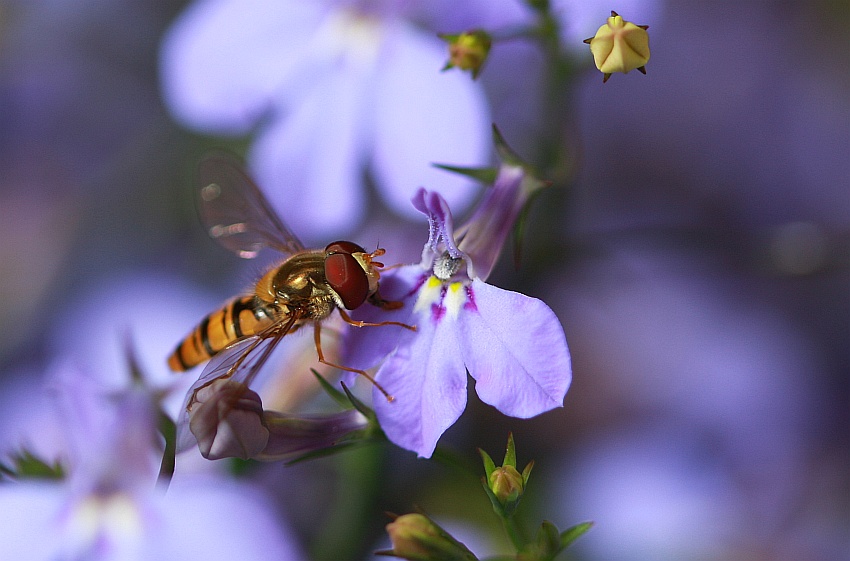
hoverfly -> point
(306, 287)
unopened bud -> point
(468, 50)
(417, 538)
(619, 46)
(293, 436)
(227, 421)
(506, 483)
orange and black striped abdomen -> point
(239, 318)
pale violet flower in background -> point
(108, 505)
(333, 89)
(511, 344)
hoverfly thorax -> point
(298, 279)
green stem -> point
(513, 532)
(345, 525)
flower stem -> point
(513, 532)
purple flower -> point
(109, 506)
(512, 345)
(333, 88)
(228, 421)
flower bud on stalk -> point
(619, 46)
(417, 538)
(504, 484)
(468, 50)
(227, 421)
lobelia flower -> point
(229, 421)
(511, 344)
(109, 506)
(332, 88)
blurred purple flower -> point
(511, 344)
(333, 88)
(109, 507)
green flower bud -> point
(619, 46)
(506, 483)
(417, 538)
(468, 50)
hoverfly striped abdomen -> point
(241, 317)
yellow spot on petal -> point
(429, 294)
(455, 299)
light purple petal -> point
(427, 378)
(514, 347)
(223, 62)
(484, 234)
(440, 225)
(216, 518)
(424, 116)
(450, 16)
(365, 347)
(309, 163)
(29, 520)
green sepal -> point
(486, 176)
(510, 452)
(361, 407)
(526, 473)
(545, 547)
(498, 507)
(489, 465)
(573, 533)
(26, 465)
(329, 388)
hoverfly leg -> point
(356, 323)
(317, 337)
(376, 300)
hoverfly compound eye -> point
(345, 274)
(343, 247)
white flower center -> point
(440, 298)
(351, 36)
(115, 517)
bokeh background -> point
(697, 253)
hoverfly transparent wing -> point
(240, 362)
(234, 211)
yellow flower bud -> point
(619, 46)
(417, 538)
(468, 50)
(506, 482)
